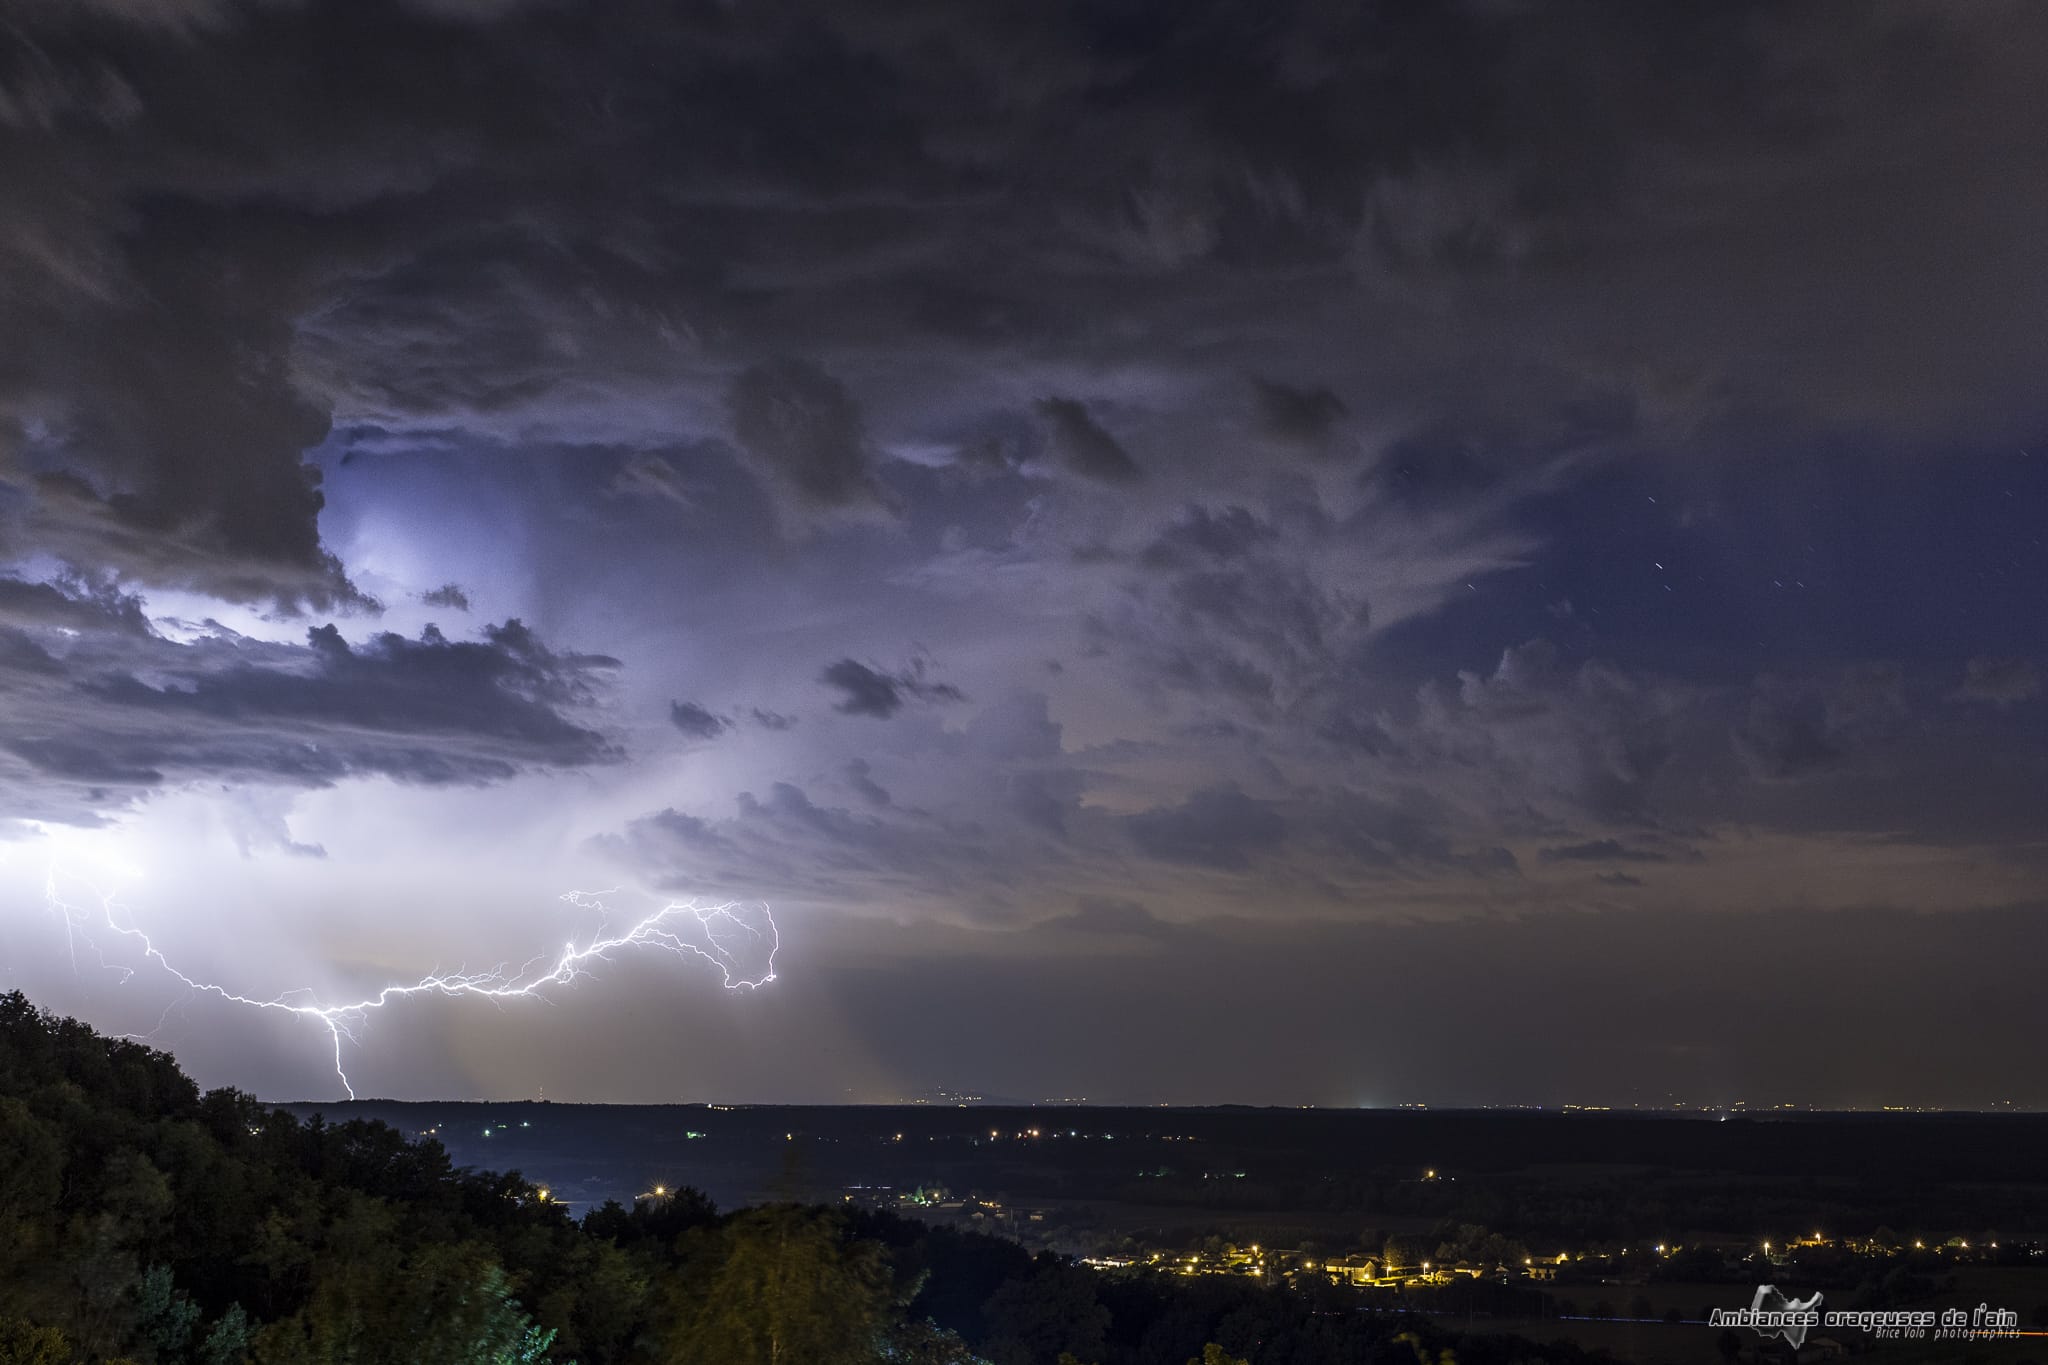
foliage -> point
(779, 1286)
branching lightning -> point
(722, 933)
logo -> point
(1771, 1314)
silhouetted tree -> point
(778, 1286)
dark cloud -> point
(70, 605)
(1201, 536)
(1404, 832)
(860, 777)
(447, 595)
(1303, 417)
(215, 266)
(100, 717)
(696, 721)
(868, 691)
(1433, 326)
(1084, 447)
(1439, 466)
(1786, 735)
(1219, 827)
(1592, 738)
(1804, 728)
(804, 430)
(1236, 614)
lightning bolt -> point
(721, 933)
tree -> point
(164, 1317)
(923, 1343)
(228, 1340)
(448, 1304)
(1212, 1354)
(21, 1344)
(1056, 1310)
(779, 1286)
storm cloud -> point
(103, 709)
(1024, 489)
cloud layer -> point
(1083, 486)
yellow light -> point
(660, 1190)
(543, 1196)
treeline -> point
(142, 1221)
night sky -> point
(1266, 552)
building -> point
(1355, 1269)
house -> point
(1354, 1269)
